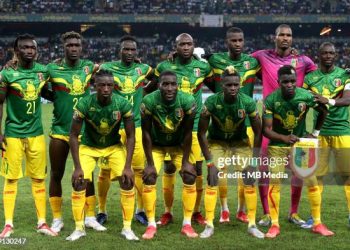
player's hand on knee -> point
(78, 181)
(128, 178)
(149, 176)
(248, 175)
(169, 167)
(212, 177)
(188, 173)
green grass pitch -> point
(230, 236)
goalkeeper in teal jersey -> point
(130, 78)
(191, 75)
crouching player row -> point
(102, 114)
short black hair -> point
(286, 70)
(23, 37)
(230, 71)
(234, 30)
(103, 72)
(69, 35)
(166, 73)
(127, 38)
(324, 44)
(282, 26)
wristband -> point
(316, 132)
(331, 102)
(210, 163)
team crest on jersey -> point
(40, 77)
(116, 115)
(138, 71)
(277, 104)
(302, 106)
(337, 82)
(197, 72)
(294, 62)
(77, 87)
(86, 70)
(241, 113)
(179, 113)
(246, 64)
(219, 106)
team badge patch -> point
(40, 77)
(116, 115)
(241, 113)
(86, 70)
(277, 104)
(197, 72)
(337, 82)
(302, 107)
(179, 113)
(246, 64)
(304, 157)
(294, 62)
(138, 71)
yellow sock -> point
(139, 187)
(78, 203)
(347, 194)
(127, 200)
(90, 203)
(149, 196)
(251, 203)
(315, 203)
(39, 194)
(274, 202)
(56, 206)
(223, 193)
(103, 184)
(188, 200)
(199, 190)
(320, 187)
(210, 197)
(9, 198)
(240, 194)
(168, 190)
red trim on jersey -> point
(60, 88)
(198, 88)
(15, 92)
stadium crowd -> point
(177, 6)
(154, 50)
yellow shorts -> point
(340, 145)
(174, 153)
(33, 149)
(227, 155)
(63, 137)
(138, 159)
(112, 157)
(195, 149)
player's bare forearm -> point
(74, 142)
(187, 141)
(130, 140)
(2, 100)
(322, 114)
(344, 100)
(268, 131)
(257, 128)
(202, 137)
(146, 124)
